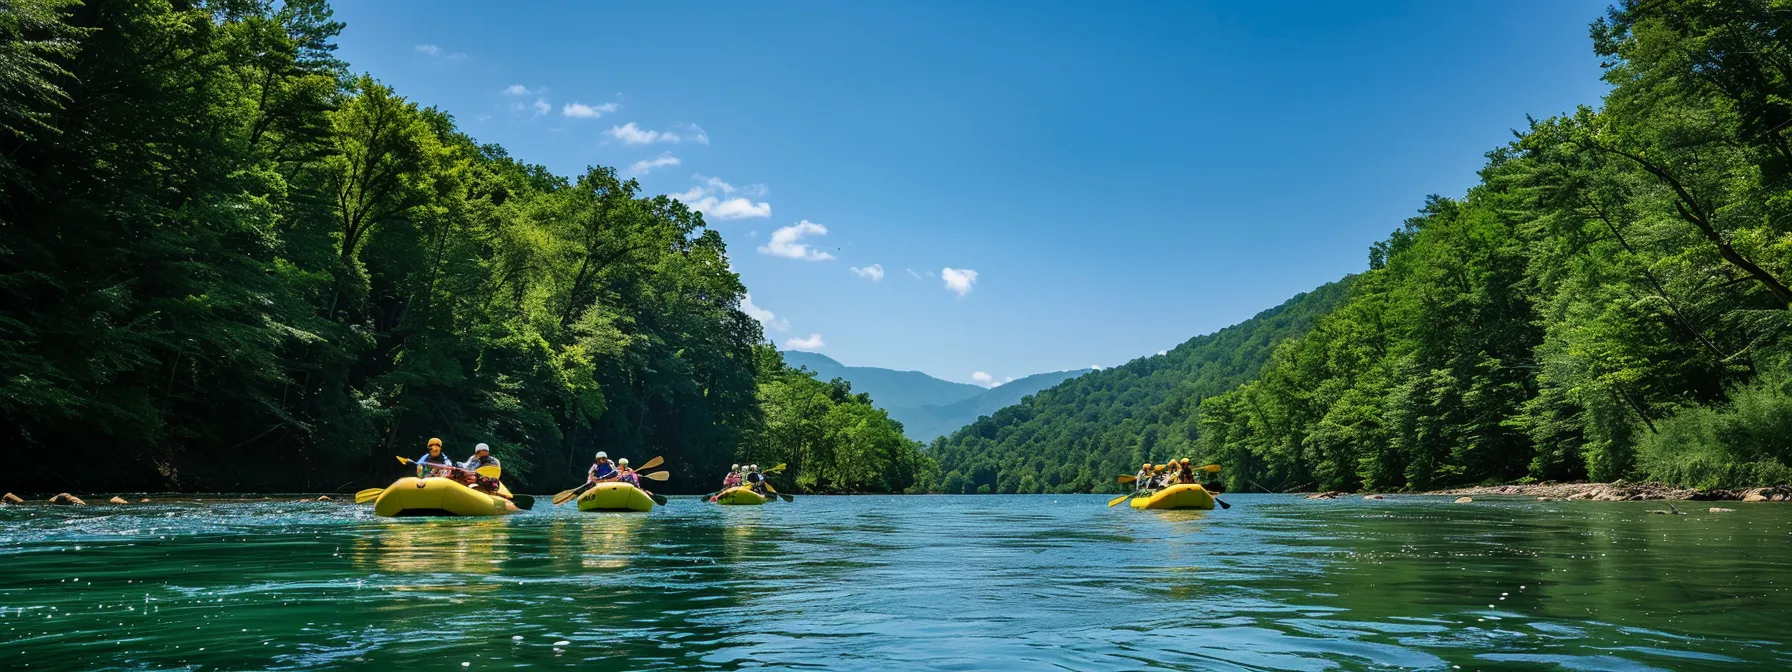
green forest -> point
(232, 264)
(1610, 302)
(1079, 435)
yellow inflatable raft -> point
(411, 496)
(740, 495)
(1184, 496)
(615, 497)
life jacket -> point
(602, 469)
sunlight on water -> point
(936, 582)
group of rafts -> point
(443, 487)
(1172, 485)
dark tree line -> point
(228, 263)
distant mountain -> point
(889, 388)
(926, 423)
(926, 406)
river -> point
(923, 582)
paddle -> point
(657, 476)
(524, 502)
(1128, 478)
(770, 489)
(1118, 500)
(368, 495)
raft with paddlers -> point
(752, 490)
(1170, 494)
(616, 489)
(1184, 496)
(436, 496)
(739, 495)
(615, 496)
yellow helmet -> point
(1185, 460)
(435, 442)
(1147, 466)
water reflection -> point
(912, 583)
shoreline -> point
(1617, 491)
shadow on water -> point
(932, 582)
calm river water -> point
(930, 582)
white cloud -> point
(912, 273)
(983, 379)
(630, 134)
(787, 242)
(874, 271)
(696, 134)
(517, 90)
(1161, 353)
(645, 166)
(958, 280)
(767, 318)
(812, 343)
(542, 107)
(583, 111)
(702, 198)
(433, 50)
(1096, 367)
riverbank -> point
(1618, 491)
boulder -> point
(1546, 499)
(12, 499)
(1464, 500)
(323, 498)
(1371, 496)
(1754, 497)
(1324, 495)
(65, 498)
(1719, 509)
(145, 500)
(118, 500)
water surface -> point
(931, 582)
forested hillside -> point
(1610, 302)
(1077, 436)
(231, 264)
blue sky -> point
(1044, 186)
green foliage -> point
(229, 265)
(829, 438)
(1611, 302)
(1079, 435)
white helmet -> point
(622, 462)
(734, 467)
(752, 467)
(482, 448)
(603, 455)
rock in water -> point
(1546, 499)
(118, 500)
(1464, 500)
(145, 500)
(1719, 509)
(65, 498)
(323, 498)
(12, 499)
(1324, 495)
(1754, 497)
(1371, 496)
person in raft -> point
(601, 469)
(1142, 481)
(755, 480)
(440, 465)
(482, 457)
(1173, 476)
(625, 474)
(1188, 473)
(733, 477)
